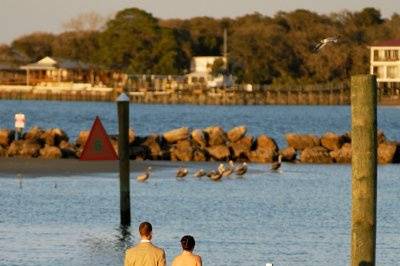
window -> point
(392, 72)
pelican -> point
(200, 173)
(226, 171)
(143, 177)
(241, 169)
(215, 175)
(182, 172)
(324, 42)
(276, 165)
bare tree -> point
(90, 21)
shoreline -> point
(36, 167)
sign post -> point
(123, 154)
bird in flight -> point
(324, 42)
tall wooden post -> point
(123, 154)
(364, 170)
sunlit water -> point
(300, 216)
(145, 119)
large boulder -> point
(331, 141)
(82, 138)
(54, 136)
(199, 138)
(152, 143)
(266, 143)
(288, 154)
(24, 148)
(6, 136)
(216, 136)
(50, 152)
(175, 135)
(15, 148)
(131, 136)
(300, 142)
(30, 149)
(387, 152)
(342, 155)
(139, 152)
(67, 149)
(3, 151)
(199, 156)
(34, 134)
(241, 148)
(219, 152)
(236, 133)
(263, 155)
(316, 154)
(182, 151)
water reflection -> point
(123, 237)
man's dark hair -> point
(145, 229)
(188, 243)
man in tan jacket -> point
(145, 253)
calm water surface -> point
(300, 216)
(145, 119)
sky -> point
(19, 17)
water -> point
(145, 119)
(300, 216)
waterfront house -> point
(10, 74)
(49, 70)
(385, 64)
(201, 72)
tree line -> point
(261, 49)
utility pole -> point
(364, 170)
(123, 154)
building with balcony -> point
(201, 72)
(385, 64)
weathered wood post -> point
(364, 170)
(123, 154)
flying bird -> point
(143, 177)
(324, 42)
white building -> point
(385, 63)
(201, 72)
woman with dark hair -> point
(187, 258)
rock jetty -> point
(208, 144)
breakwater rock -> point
(208, 144)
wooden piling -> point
(123, 154)
(364, 169)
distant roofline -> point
(387, 43)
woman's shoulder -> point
(197, 258)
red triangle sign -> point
(98, 145)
